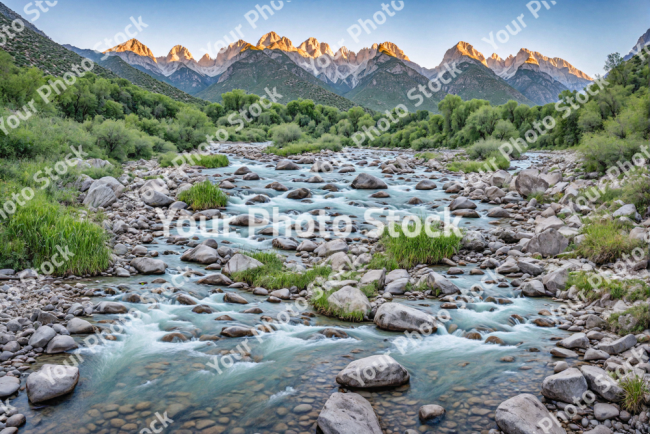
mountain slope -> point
(386, 84)
(11, 15)
(642, 42)
(535, 85)
(122, 69)
(255, 71)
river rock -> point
(548, 243)
(110, 307)
(156, 199)
(604, 411)
(619, 345)
(372, 372)
(425, 184)
(201, 254)
(576, 340)
(307, 246)
(51, 381)
(374, 276)
(101, 196)
(556, 281)
(461, 202)
(565, 386)
(149, 265)
(533, 288)
(529, 182)
(287, 165)
(523, 414)
(601, 383)
(348, 413)
(331, 247)
(500, 178)
(42, 336)
(8, 386)
(239, 263)
(78, 326)
(299, 193)
(322, 167)
(233, 297)
(236, 332)
(397, 317)
(61, 344)
(215, 279)
(349, 299)
(474, 240)
(430, 412)
(368, 182)
(285, 243)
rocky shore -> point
(522, 248)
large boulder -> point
(247, 220)
(299, 194)
(533, 288)
(149, 265)
(349, 299)
(331, 247)
(287, 165)
(348, 413)
(101, 196)
(576, 340)
(42, 336)
(548, 243)
(202, 254)
(619, 345)
(155, 184)
(461, 202)
(373, 371)
(601, 383)
(368, 182)
(78, 326)
(565, 386)
(61, 344)
(239, 263)
(156, 199)
(110, 308)
(440, 283)
(110, 182)
(501, 178)
(51, 381)
(376, 277)
(425, 184)
(529, 182)
(215, 279)
(524, 414)
(285, 243)
(556, 281)
(397, 317)
(474, 240)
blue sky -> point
(582, 32)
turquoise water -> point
(286, 376)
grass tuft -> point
(606, 241)
(409, 251)
(204, 195)
(272, 276)
(635, 389)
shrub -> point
(204, 195)
(600, 151)
(408, 251)
(428, 155)
(302, 147)
(633, 320)
(605, 241)
(629, 289)
(285, 133)
(96, 173)
(212, 161)
(167, 159)
(498, 162)
(484, 149)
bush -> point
(204, 195)
(495, 163)
(629, 289)
(633, 320)
(600, 151)
(301, 148)
(285, 133)
(484, 149)
(605, 241)
(408, 251)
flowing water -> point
(291, 372)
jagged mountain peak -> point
(268, 39)
(179, 53)
(134, 46)
(206, 60)
(315, 48)
(393, 50)
(460, 50)
(496, 57)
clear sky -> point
(582, 32)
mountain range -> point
(378, 77)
